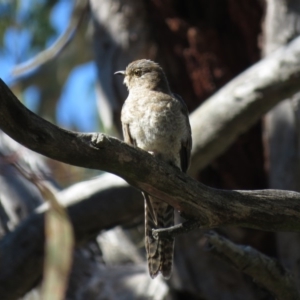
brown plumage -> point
(156, 120)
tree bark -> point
(22, 251)
(281, 124)
(121, 35)
(266, 209)
(263, 269)
(238, 105)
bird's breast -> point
(155, 123)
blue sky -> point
(71, 110)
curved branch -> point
(264, 270)
(266, 209)
(238, 105)
(22, 251)
(78, 14)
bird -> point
(156, 120)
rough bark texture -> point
(281, 126)
(266, 271)
(267, 210)
(244, 100)
(251, 94)
(201, 46)
(214, 208)
(281, 26)
(210, 44)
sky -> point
(70, 110)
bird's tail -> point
(158, 214)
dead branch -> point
(238, 105)
(265, 209)
(263, 269)
(100, 207)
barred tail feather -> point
(160, 252)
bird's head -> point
(145, 73)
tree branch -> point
(263, 269)
(266, 209)
(22, 251)
(79, 12)
(231, 111)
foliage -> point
(35, 17)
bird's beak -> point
(120, 73)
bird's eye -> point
(137, 73)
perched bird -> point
(156, 120)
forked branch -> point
(265, 209)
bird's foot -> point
(171, 232)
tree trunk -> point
(281, 126)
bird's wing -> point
(185, 154)
(127, 136)
(186, 143)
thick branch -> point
(238, 105)
(263, 269)
(266, 210)
(99, 207)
